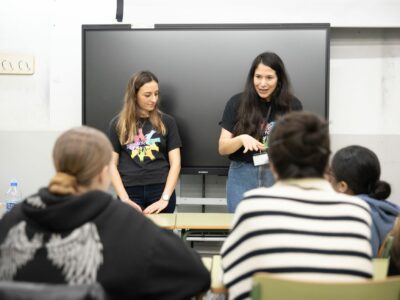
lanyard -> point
(266, 128)
(266, 121)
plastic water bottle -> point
(13, 196)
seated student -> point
(300, 227)
(355, 170)
(394, 251)
(73, 232)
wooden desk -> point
(203, 226)
(380, 268)
(166, 221)
(217, 285)
(213, 221)
(207, 261)
(213, 264)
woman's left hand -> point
(156, 207)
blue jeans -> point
(243, 177)
(145, 195)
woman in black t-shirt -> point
(146, 144)
(247, 122)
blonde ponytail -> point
(63, 184)
(79, 155)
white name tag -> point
(260, 159)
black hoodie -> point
(95, 238)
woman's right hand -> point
(133, 205)
(250, 143)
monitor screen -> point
(199, 68)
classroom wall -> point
(34, 109)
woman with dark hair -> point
(300, 227)
(73, 232)
(146, 143)
(355, 170)
(247, 122)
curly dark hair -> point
(300, 146)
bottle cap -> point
(13, 182)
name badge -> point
(260, 159)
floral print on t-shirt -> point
(143, 145)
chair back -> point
(272, 287)
(386, 249)
(17, 290)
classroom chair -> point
(386, 249)
(272, 287)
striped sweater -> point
(300, 228)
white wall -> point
(365, 95)
(339, 13)
(364, 81)
(364, 89)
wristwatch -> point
(165, 197)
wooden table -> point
(213, 221)
(217, 285)
(196, 226)
(166, 221)
(199, 221)
(203, 226)
(207, 261)
(213, 264)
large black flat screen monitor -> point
(199, 68)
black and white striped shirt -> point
(300, 228)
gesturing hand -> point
(250, 143)
(156, 207)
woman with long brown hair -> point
(146, 144)
(247, 122)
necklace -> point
(141, 122)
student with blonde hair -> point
(146, 149)
(73, 232)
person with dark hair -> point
(355, 170)
(300, 227)
(72, 232)
(146, 142)
(247, 121)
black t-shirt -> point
(145, 160)
(230, 118)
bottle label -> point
(10, 205)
